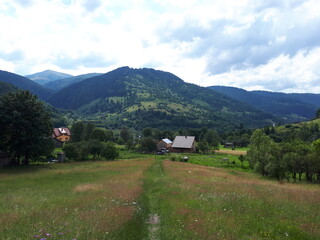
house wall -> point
(64, 138)
(182, 150)
(162, 145)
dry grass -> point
(216, 203)
(82, 200)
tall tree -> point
(125, 134)
(77, 131)
(260, 153)
(26, 128)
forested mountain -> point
(6, 87)
(65, 82)
(26, 84)
(149, 98)
(47, 76)
(310, 98)
(292, 107)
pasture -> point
(153, 198)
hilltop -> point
(47, 76)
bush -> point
(110, 152)
(173, 158)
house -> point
(228, 145)
(183, 144)
(61, 135)
(164, 144)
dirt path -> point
(232, 152)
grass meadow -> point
(153, 198)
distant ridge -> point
(26, 84)
(65, 82)
(47, 76)
(292, 106)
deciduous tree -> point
(26, 128)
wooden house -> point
(183, 144)
(61, 134)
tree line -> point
(285, 160)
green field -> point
(153, 198)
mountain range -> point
(145, 97)
(65, 82)
(293, 107)
(151, 98)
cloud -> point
(299, 73)
(88, 61)
(14, 56)
(237, 42)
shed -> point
(164, 144)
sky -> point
(269, 45)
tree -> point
(241, 159)
(99, 134)
(260, 153)
(318, 113)
(110, 152)
(212, 138)
(88, 131)
(26, 128)
(204, 146)
(147, 132)
(125, 134)
(77, 131)
(148, 144)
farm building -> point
(164, 144)
(183, 144)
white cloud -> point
(299, 73)
(244, 43)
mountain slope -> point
(26, 84)
(47, 76)
(147, 97)
(293, 107)
(310, 98)
(6, 87)
(65, 82)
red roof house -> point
(62, 134)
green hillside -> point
(148, 98)
(289, 107)
(26, 84)
(65, 82)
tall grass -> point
(153, 199)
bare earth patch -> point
(88, 187)
(232, 152)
